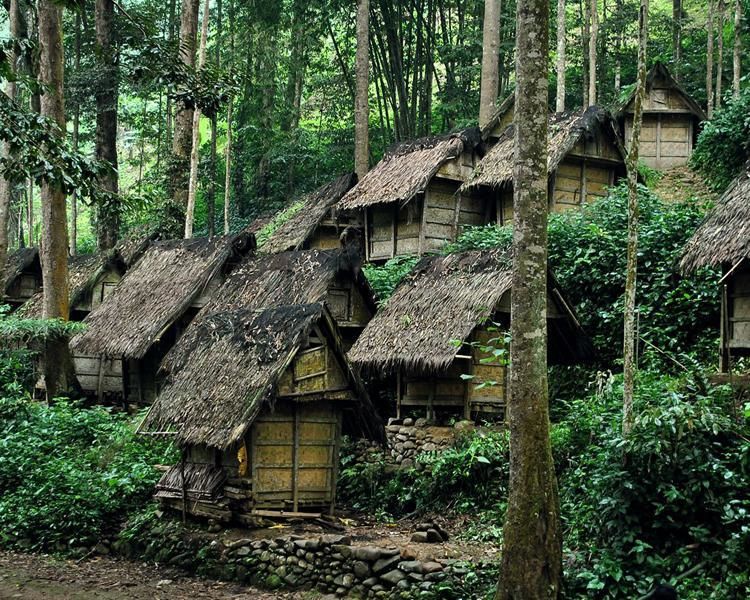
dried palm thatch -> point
(407, 169)
(660, 73)
(19, 261)
(724, 235)
(227, 369)
(202, 482)
(565, 130)
(443, 300)
(295, 231)
(154, 293)
(84, 270)
(134, 245)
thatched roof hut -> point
(163, 284)
(434, 321)
(671, 120)
(314, 223)
(23, 276)
(723, 238)
(134, 245)
(501, 118)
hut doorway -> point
(295, 455)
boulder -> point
(386, 564)
(392, 577)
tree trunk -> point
(677, 37)
(720, 54)
(585, 35)
(196, 137)
(710, 60)
(361, 101)
(108, 211)
(490, 61)
(76, 126)
(594, 15)
(737, 59)
(54, 247)
(629, 339)
(560, 96)
(171, 16)
(178, 180)
(532, 553)
(228, 146)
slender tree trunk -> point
(720, 54)
(594, 14)
(178, 180)
(677, 37)
(228, 146)
(586, 35)
(76, 126)
(560, 96)
(361, 102)
(170, 37)
(710, 60)
(630, 342)
(108, 211)
(196, 141)
(490, 61)
(737, 58)
(54, 247)
(532, 553)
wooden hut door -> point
(295, 456)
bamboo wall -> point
(737, 322)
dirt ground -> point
(35, 577)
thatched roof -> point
(406, 170)
(154, 293)
(227, 369)
(312, 209)
(19, 261)
(660, 73)
(83, 272)
(135, 244)
(724, 235)
(565, 130)
(509, 103)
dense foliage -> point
(385, 278)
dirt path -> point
(42, 577)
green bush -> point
(384, 279)
(69, 475)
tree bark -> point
(594, 15)
(108, 211)
(196, 137)
(720, 54)
(76, 126)
(178, 180)
(710, 60)
(677, 37)
(585, 39)
(228, 146)
(361, 101)
(532, 553)
(490, 61)
(629, 339)
(737, 58)
(54, 244)
(560, 95)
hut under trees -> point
(409, 202)
(441, 339)
(585, 157)
(258, 389)
(671, 121)
(128, 335)
(23, 276)
(500, 119)
(312, 221)
(723, 240)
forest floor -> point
(681, 183)
(41, 577)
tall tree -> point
(228, 146)
(585, 41)
(490, 61)
(108, 211)
(677, 37)
(737, 56)
(720, 53)
(196, 133)
(629, 340)
(361, 101)
(182, 141)
(594, 15)
(560, 95)
(710, 59)
(76, 127)
(54, 244)
(532, 554)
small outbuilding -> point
(723, 240)
(671, 121)
(23, 276)
(409, 203)
(128, 335)
(585, 157)
(312, 221)
(433, 342)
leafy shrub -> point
(68, 474)
(384, 279)
(724, 144)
